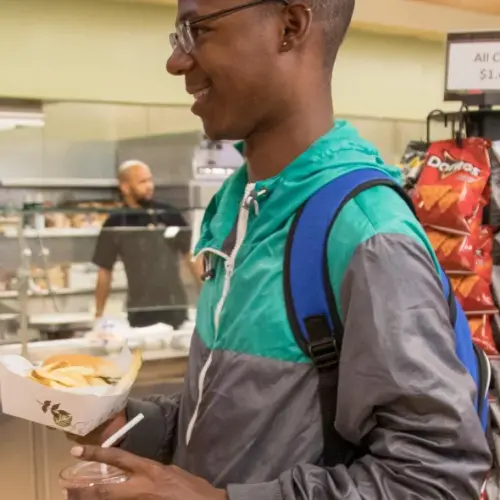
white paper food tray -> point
(76, 411)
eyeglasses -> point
(183, 37)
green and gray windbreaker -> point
(248, 418)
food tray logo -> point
(61, 417)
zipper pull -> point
(229, 268)
(208, 275)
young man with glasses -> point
(247, 425)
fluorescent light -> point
(17, 119)
(6, 126)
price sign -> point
(473, 64)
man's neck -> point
(270, 151)
(130, 202)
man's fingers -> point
(111, 456)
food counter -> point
(32, 455)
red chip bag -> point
(450, 189)
(456, 253)
(482, 334)
(484, 260)
(484, 267)
(485, 239)
(474, 294)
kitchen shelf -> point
(58, 182)
(13, 294)
(54, 232)
(65, 182)
(83, 232)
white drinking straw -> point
(111, 441)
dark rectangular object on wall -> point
(473, 68)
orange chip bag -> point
(484, 267)
(474, 294)
(451, 186)
(456, 253)
(485, 239)
(432, 194)
(484, 260)
(482, 334)
(436, 238)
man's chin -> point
(216, 132)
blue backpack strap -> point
(471, 356)
(313, 312)
(310, 302)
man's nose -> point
(179, 63)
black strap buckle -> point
(324, 353)
(322, 347)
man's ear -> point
(124, 188)
(297, 25)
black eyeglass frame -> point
(183, 37)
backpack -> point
(313, 312)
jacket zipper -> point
(241, 230)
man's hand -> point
(147, 479)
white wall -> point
(384, 76)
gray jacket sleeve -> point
(155, 437)
(402, 390)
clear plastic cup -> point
(78, 480)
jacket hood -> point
(337, 152)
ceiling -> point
(486, 6)
(154, 2)
(483, 6)
(427, 19)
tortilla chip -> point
(431, 194)
(447, 201)
(467, 285)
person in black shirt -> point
(148, 237)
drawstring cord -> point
(252, 200)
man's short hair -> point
(335, 17)
(126, 165)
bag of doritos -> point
(484, 261)
(450, 189)
(482, 334)
(474, 294)
(456, 253)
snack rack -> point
(482, 122)
(460, 177)
(471, 257)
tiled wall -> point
(79, 140)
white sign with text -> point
(473, 66)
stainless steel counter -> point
(31, 456)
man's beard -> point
(144, 202)
(141, 200)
